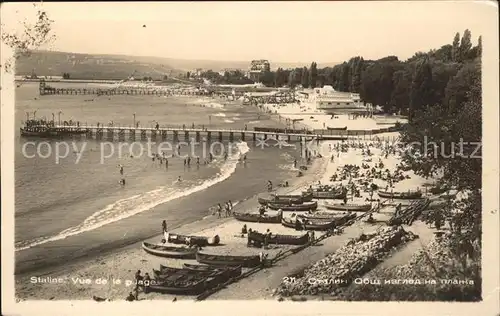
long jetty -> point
(177, 134)
(250, 96)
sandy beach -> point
(111, 276)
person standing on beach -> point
(121, 169)
(138, 281)
(219, 210)
(166, 163)
(164, 226)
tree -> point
(479, 47)
(305, 78)
(165, 77)
(356, 77)
(313, 74)
(458, 88)
(455, 48)
(400, 97)
(465, 46)
(444, 53)
(421, 87)
(32, 37)
(188, 75)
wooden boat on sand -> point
(166, 271)
(169, 252)
(400, 195)
(278, 239)
(183, 287)
(308, 206)
(313, 224)
(349, 207)
(286, 199)
(257, 218)
(226, 260)
(193, 240)
(332, 195)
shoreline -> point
(26, 290)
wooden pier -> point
(276, 97)
(175, 134)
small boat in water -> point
(349, 207)
(257, 218)
(308, 206)
(170, 252)
(400, 195)
(226, 260)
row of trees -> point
(427, 78)
(229, 77)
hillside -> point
(93, 66)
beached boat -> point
(308, 206)
(169, 252)
(310, 225)
(349, 207)
(320, 224)
(257, 218)
(199, 267)
(193, 240)
(328, 194)
(278, 239)
(286, 199)
(228, 272)
(225, 260)
(400, 195)
(181, 288)
(321, 216)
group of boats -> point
(195, 253)
(191, 279)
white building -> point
(331, 101)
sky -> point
(279, 31)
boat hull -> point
(169, 252)
(349, 207)
(280, 239)
(309, 206)
(401, 195)
(221, 260)
(257, 218)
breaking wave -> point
(130, 206)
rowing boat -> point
(279, 239)
(310, 225)
(225, 260)
(180, 288)
(332, 195)
(319, 216)
(193, 240)
(257, 218)
(201, 270)
(308, 206)
(286, 199)
(400, 195)
(321, 224)
(349, 207)
(169, 252)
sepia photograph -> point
(336, 152)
